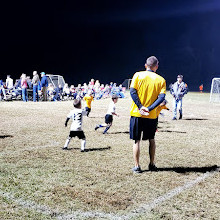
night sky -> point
(110, 40)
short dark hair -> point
(76, 103)
(152, 61)
(114, 97)
(180, 76)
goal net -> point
(215, 90)
(127, 83)
(56, 80)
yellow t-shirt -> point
(88, 100)
(148, 85)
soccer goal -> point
(127, 83)
(56, 80)
(215, 90)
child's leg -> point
(67, 143)
(100, 126)
(107, 127)
(83, 144)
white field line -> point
(13, 152)
(28, 204)
(147, 207)
(135, 213)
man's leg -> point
(152, 149)
(23, 95)
(136, 153)
(34, 93)
(26, 94)
(174, 109)
(180, 108)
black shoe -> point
(174, 118)
(83, 150)
(137, 170)
(65, 148)
(152, 167)
(96, 127)
(181, 116)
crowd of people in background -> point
(40, 89)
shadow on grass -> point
(5, 136)
(182, 132)
(187, 169)
(90, 149)
(120, 132)
(195, 119)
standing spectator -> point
(35, 82)
(9, 82)
(29, 82)
(178, 90)
(24, 87)
(44, 85)
(147, 92)
(2, 90)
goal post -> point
(126, 83)
(215, 90)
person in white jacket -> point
(178, 90)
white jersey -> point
(77, 117)
(111, 108)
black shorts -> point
(88, 109)
(145, 125)
(108, 119)
(79, 134)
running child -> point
(160, 108)
(109, 115)
(88, 98)
(76, 127)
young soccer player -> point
(161, 107)
(109, 115)
(88, 98)
(76, 127)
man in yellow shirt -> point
(88, 98)
(147, 91)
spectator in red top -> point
(24, 87)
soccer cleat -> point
(181, 116)
(152, 167)
(65, 148)
(137, 170)
(174, 118)
(96, 127)
(82, 150)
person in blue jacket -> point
(44, 85)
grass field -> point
(38, 180)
